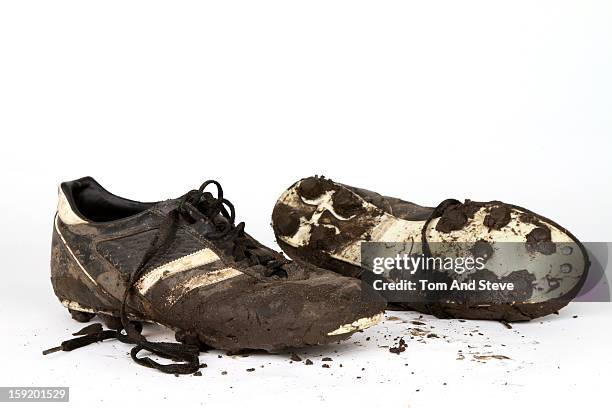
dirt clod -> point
(400, 348)
(312, 187)
(498, 217)
(456, 216)
(539, 240)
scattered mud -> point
(399, 348)
(488, 357)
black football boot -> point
(183, 263)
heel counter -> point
(57, 254)
(71, 282)
(60, 258)
(65, 211)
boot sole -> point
(324, 223)
(84, 314)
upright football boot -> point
(184, 264)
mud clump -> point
(400, 348)
(286, 220)
(295, 357)
(482, 249)
(313, 187)
(456, 216)
(539, 240)
(530, 219)
(322, 238)
(498, 217)
(346, 204)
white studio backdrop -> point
(420, 100)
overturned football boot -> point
(538, 264)
(184, 264)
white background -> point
(422, 100)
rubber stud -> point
(137, 326)
(311, 188)
(79, 316)
(288, 223)
(112, 322)
(190, 338)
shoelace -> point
(196, 205)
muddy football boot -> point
(184, 264)
(325, 223)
